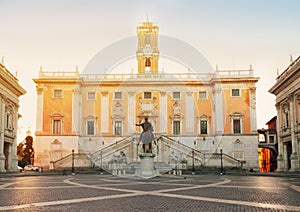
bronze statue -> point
(146, 136)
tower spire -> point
(147, 17)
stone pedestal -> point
(2, 162)
(177, 168)
(280, 164)
(117, 168)
(294, 162)
(147, 165)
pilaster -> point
(218, 109)
(280, 158)
(163, 115)
(39, 110)
(2, 113)
(104, 112)
(294, 155)
(131, 112)
(253, 121)
(189, 121)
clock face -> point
(147, 50)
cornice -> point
(12, 85)
(289, 75)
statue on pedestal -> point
(146, 136)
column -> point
(104, 112)
(294, 155)
(253, 122)
(2, 115)
(189, 111)
(131, 112)
(280, 158)
(286, 159)
(39, 110)
(163, 115)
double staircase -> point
(122, 157)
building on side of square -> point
(287, 92)
(88, 112)
(268, 147)
(10, 91)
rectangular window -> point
(147, 95)
(203, 127)
(176, 95)
(236, 126)
(118, 127)
(272, 139)
(91, 95)
(202, 95)
(118, 95)
(56, 128)
(8, 121)
(57, 93)
(286, 120)
(176, 127)
(90, 127)
(235, 92)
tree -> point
(25, 152)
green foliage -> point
(25, 152)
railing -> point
(107, 151)
(235, 73)
(182, 148)
(60, 162)
(150, 76)
(230, 158)
(60, 74)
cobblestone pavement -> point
(164, 193)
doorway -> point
(288, 153)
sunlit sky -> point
(60, 35)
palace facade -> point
(10, 91)
(88, 113)
(287, 92)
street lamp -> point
(193, 168)
(101, 162)
(73, 172)
(222, 170)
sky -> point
(62, 34)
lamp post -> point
(221, 173)
(101, 162)
(193, 168)
(73, 172)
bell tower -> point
(147, 53)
